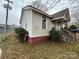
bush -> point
(72, 27)
(55, 35)
(66, 27)
(21, 34)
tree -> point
(44, 5)
(76, 18)
(39, 4)
(75, 10)
(78, 22)
(72, 27)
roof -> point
(62, 14)
(37, 10)
(75, 30)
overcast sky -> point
(14, 14)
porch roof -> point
(59, 20)
(62, 16)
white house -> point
(38, 23)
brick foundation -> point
(32, 40)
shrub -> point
(21, 33)
(72, 27)
(66, 27)
(55, 35)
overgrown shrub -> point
(21, 34)
(72, 27)
(55, 35)
(66, 27)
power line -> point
(54, 4)
(1, 1)
(0, 5)
(73, 1)
(22, 3)
(14, 17)
(51, 4)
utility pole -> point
(8, 7)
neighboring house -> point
(9, 27)
(39, 23)
(2, 27)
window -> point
(43, 22)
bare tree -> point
(76, 18)
(75, 10)
(44, 5)
(39, 4)
(36, 3)
(78, 22)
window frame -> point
(44, 22)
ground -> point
(13, 49)
(1, 38)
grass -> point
(13, 49)
(2, 36)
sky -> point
(15, 13)
(73, 6)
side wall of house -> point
(37, 30)
(27, 21)
(32, 22)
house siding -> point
(37, 30)
(34, 26)
(27, 19)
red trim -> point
(37, 39)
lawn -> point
(2, 36)
(13, 49)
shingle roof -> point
(61, 14)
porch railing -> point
(68, 35)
